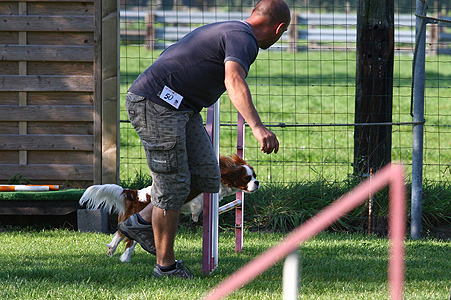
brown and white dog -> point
(236, 175)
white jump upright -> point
(211, 202)
(211, 209)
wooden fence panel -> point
(51, 172)
(46, 23)
(52, 71)
(49, 83)
(48, 113)
(47, 53)
(46, 142)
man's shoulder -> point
(226, 31)
(229, 26)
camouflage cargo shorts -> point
(179, 152)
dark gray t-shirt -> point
(194, 66)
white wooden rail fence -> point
(161, 28)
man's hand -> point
(267, 139)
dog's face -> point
(249, 181)
(237, 173)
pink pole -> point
(239, 210)
(397, 226)
(207, 250)
(390, 174)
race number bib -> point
(171, 97)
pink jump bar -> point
(392, 175)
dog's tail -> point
(109, 196)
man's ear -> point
(279, 27)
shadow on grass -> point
(55, 260)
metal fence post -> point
(418, 116)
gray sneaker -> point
(141, 233)
(179, 271)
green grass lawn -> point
(313, 87)
(63, 264)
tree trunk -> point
(374, 85)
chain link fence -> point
(303, 86)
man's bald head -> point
(275, 11)
(269, 20)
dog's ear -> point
(238, 160)
(130, 195)
(228, 170)
(226, 162)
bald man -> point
(163, 104)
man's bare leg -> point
(146, 213)
(165, 223)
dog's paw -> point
(195, 217)
(125, 257)
(110, 250)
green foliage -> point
(436, 203)
(283, 207)
(19, 179)
(139, 181)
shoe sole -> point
(181, 271)
(131, 236)
(161, 275)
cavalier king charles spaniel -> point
(236, 175)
